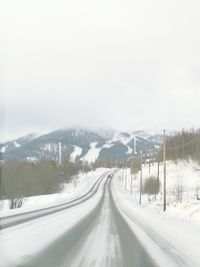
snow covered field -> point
(80, 185)
(183, 176)
(171, 238)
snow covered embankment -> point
(71, 191)
(183, 189)
(169, 241)
(36, 237)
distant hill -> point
(80, 144)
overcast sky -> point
(94, 64)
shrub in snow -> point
(178, 190)
(151, 186)
(197, 193)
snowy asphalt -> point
(102, 239)
(92, 233)
(9, 221)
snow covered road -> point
(105, 229)
(8, 221)
(22, 244)
(105, 240)
(92, 233)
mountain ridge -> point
(89, 145)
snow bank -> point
(182, 175)
(24, 242)
(169, 241)
(72, 190)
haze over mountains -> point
(80, 144)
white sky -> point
(110, 63)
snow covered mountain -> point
(80, 144)
(11, 145)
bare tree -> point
(197, 192)
(151, 186)
(178, 190)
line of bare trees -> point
(19, 180)
(184, 145)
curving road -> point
(9, 221)
(91, 233)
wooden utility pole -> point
(183, 148)
(158, 172)
(140, 178)
(131, 184)
(126, 180)
(149, 164)
(164, 166)
(126, 172)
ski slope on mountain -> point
(82, 144)
(92, 154)
(76, 153)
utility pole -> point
(164, 166)
(126, 172)
(140, 178)
(125, 180)
(149, 164)
(183, 148)
(131, 184)
(158, 172)
(59, 153)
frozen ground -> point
(183, 176)
(18, 244)
(80, 185)
(91, 234)
(172, 238)
(108, 229)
